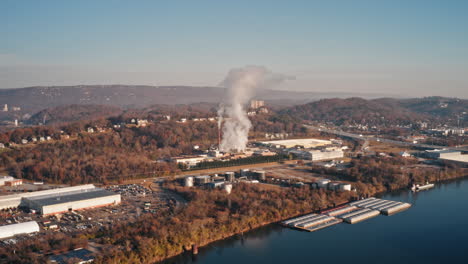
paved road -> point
(385, 140)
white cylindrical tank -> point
(228, 188)
(188, 181)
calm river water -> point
(434, 230)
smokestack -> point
(240, 85)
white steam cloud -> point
(241, 84)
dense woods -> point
(121, 153)
(72, 113)
(385, 111)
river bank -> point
(432, 231)
(274, 221)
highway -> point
(379, 139)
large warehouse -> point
(77, 200)
(55, 201)
(14, 200)
(292, 143)
(17, 229)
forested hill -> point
(34, 99)
(380, 111)
(71, 113)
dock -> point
(351, 213)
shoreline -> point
(377, 194)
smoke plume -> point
(241, 84)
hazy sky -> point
(412, 48)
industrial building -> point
(189, 161)
(292, 143)
(14, 200)
(77, 200)
(200, 180)
(60, 200)
(5, 179)
(78, 256)
(448, 155)
(254, 104)
(316, 155)
(17, 229)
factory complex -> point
(60, 200)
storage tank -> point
(188, 182)
(244, 172)
(260, 175)
(228, 188)
(230, 177)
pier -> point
(351, 213)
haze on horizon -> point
(409, 48)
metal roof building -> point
(81, 255)
(75, 200)
(16, 229)
(15, 200)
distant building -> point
(216, 184)
(16, 108)
(448, 155)
(4, 179)
(290, 143)
(50, 204)
(442, 153)
(142, 123)
(200, 180)
(316, 155)
(5, 108)
(345, 187)
(90, 130)
(78, 256)
(15, 182)
(189, 160)
(405, 154)
(255, 104)
(263, 110)
(2, 145)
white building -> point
(4, 179)
(316, 155)
(292, 143)
(72, 201)
(15, 200)
(189, 160)
(257, 104)
(405, 154)
(17, 229)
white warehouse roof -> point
(16, 229)
(14, 200)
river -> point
(433, 230)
